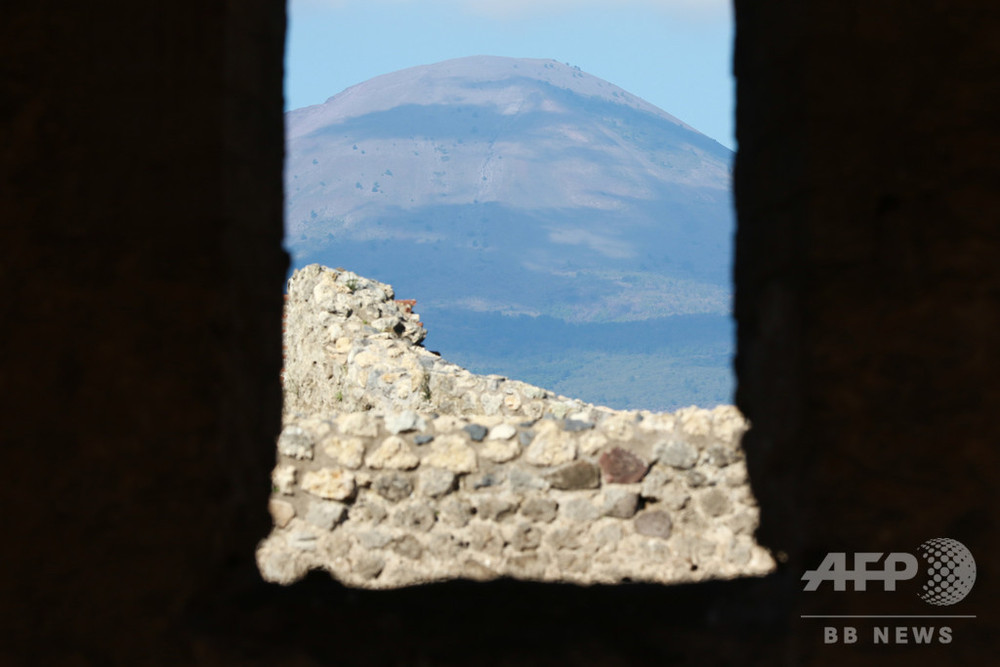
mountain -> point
(546, 220)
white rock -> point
(394, 452)
(329, 483)
(452, 453)
(283, 478)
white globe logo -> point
(951, 571)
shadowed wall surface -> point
(140, 188)
(866, 291)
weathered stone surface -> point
(325, 514)
(401, 422)
(295, 442)
(696, 479)
(494, 508)
(538, 508)
(621, 466)
(654, 523)
(486, 537)
(591, 442)
(434, 482)
(720, 456)
(550, 446)
(394, 452)
(500, 451)
(565, 537)
(525, 537)
(579, 509)
(715, 503)
(577, 475)
(367, 566)
(409, 547)
(452, 453)
(525, 480)
(416, 516)
(453, 490)
(528, 566)
(393, 487)
(456, 512)
(346, 451)
(358, 423)
(484, 480)
(281, 511)
(676, 453)
(283, 479)
(607, 535)
(329, 483)
(367, 511)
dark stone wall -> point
(142, 269)
(141, 263)
(867, 292)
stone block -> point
(329, 483)
(325, 514)
(654, 523)
(577, 475)
(621, 466)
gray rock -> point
(715, 503)
(418, 516)
(576, 475)
(325, 514)
(654, 523)
(400, 422)
(525, 437)
(476, 432)
(620, 503)
(539, 508)
(366, 511)
(677, 454)
(435, 482)
(393, 487)
(495, 508)
(656, 481)
(422, 439)
(524, 480)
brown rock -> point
(577, 475)
(621, 466)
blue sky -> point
(675, 54)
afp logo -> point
(949, 571)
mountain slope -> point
(516, 187)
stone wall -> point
(396, 467)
